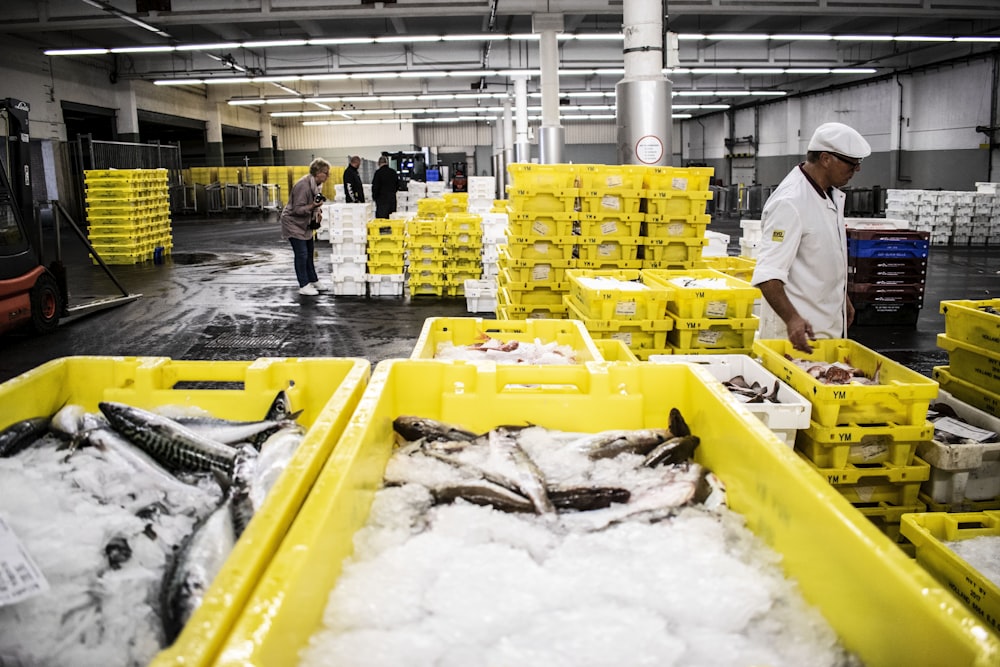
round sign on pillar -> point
(649, 149)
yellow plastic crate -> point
(386, 267)
(325, 389)
(526, 200)
(972, 363)
(470, 330)
(523, 290)
(929, 532)
(965, 322)
(608, 177)
(601, 264)
(431, 207)
(537, 223)
(534, 270)
(423, 226)
(612, 349)
(610, 224)
(967, 392)
(382, 227)
(463, 222)
(546, 311)
(686, 179)
(386, 244)
(670, 203)
(541, 247)
(837, 446)
(647, 335)
(463, 240)
(542, 176)
(617, 302)
(673, 349)
(735, 300)
(425, 286)
(612, 249)
(662, 226)
(835, 554)
(871, 484)
(902, 396)
(740, 268)
(736, 333)
(672, 250)
(610, 201)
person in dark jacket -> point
(354, 192)
(384, 189)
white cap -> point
(839, 138)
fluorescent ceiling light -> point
(142, 49)
(341, 41)
(977, 39)
(274, 43)
(407, 39)
(207, 47)
(739, 37)
(799, 37)
(862, 38)
(916, 38)
(76, 52)
(590, 37)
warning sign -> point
(649, 149)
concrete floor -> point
(228, 291)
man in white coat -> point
(802, 258)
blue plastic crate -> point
(863, 248)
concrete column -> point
(266, 151)
(643, 95)
(214, 153)
(499, 160)
(551, 137)
(508, 138)
(522, 146)
(127, 118)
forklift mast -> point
(18, 168)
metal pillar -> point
(551, 137)
(522, 146)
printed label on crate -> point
(675, 229)
(679, 183)
(463, 238)
(609, 227)
(612, 202)
(625, 308)
(606, 249)
(872, 448)
(709, 337)
(963, 430)
(540, 228)
(623, 337)
(716, 308)
(20, 577)
(540, 272)
(542, 247)
(614, 181)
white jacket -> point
(804, 245)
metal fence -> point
(747, 201)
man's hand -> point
(800, 332)
(850, 312)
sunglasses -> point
(853, 164)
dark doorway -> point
(98, 122)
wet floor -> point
(228, 292)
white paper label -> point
(625, 308)
(540, 272)
(540, 228)
(649, 149)
(611, 202)
(871, 448)
(463, 238)
(675, 229)
(606, 249)
(679, 183)
(614, 181)
(963, 430)
(709, 337)
(609, 227)
(20, 577)
(716, 308)
(542, 247)
(623, 337)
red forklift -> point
(31, 292)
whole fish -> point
(241, 504)
(231, 432)
(68, 423)
(115, 445)
(20, 435)
(173, 445)
(281, 409)
(523, 472)
(484, 492)
(609, 444)
(414, 428)
(587, 498)
(673, 451)
(194, 567)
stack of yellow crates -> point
(676, 199)
(426, 248)
(542, 213)
(972, 339)
(128, 214)
(621, 304)
(386, 257)
(711, 311)
(464, 250)
(610, 219)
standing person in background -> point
(384, 185)
(802, 259)
(354, 191)
(300, 218)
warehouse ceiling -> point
(317, 57)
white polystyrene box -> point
(349, 285)
(385, 284)
(969, 472)
(784, 418)
(718, 244)
(349, 265)
(347, 248)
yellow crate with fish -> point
(740, 268)
(869, 387)
(954, 549)
(966, 391)
(706, 293)
(617, 295)
(888, 483)
(973, 322)
(531, 200)
(528, 175)
(834, 554)
(709, 333)
(665, 226)
(534, 270)
(671, 203)
(661, 252)
(612, 349)
(972, 363)
(599, 249)
(611, 224)
(536, 223)
(166, 416)
(541, 247)
(488, 335)
(838, 446)
(607, 177)
(599, 202)
(685, 179)
(532, 293)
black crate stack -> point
(886, 274)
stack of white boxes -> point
(348, 238)
(955, 217)
(406, 201)
(436, 188)
(482, 192)
(751, 238)
(481, 295)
